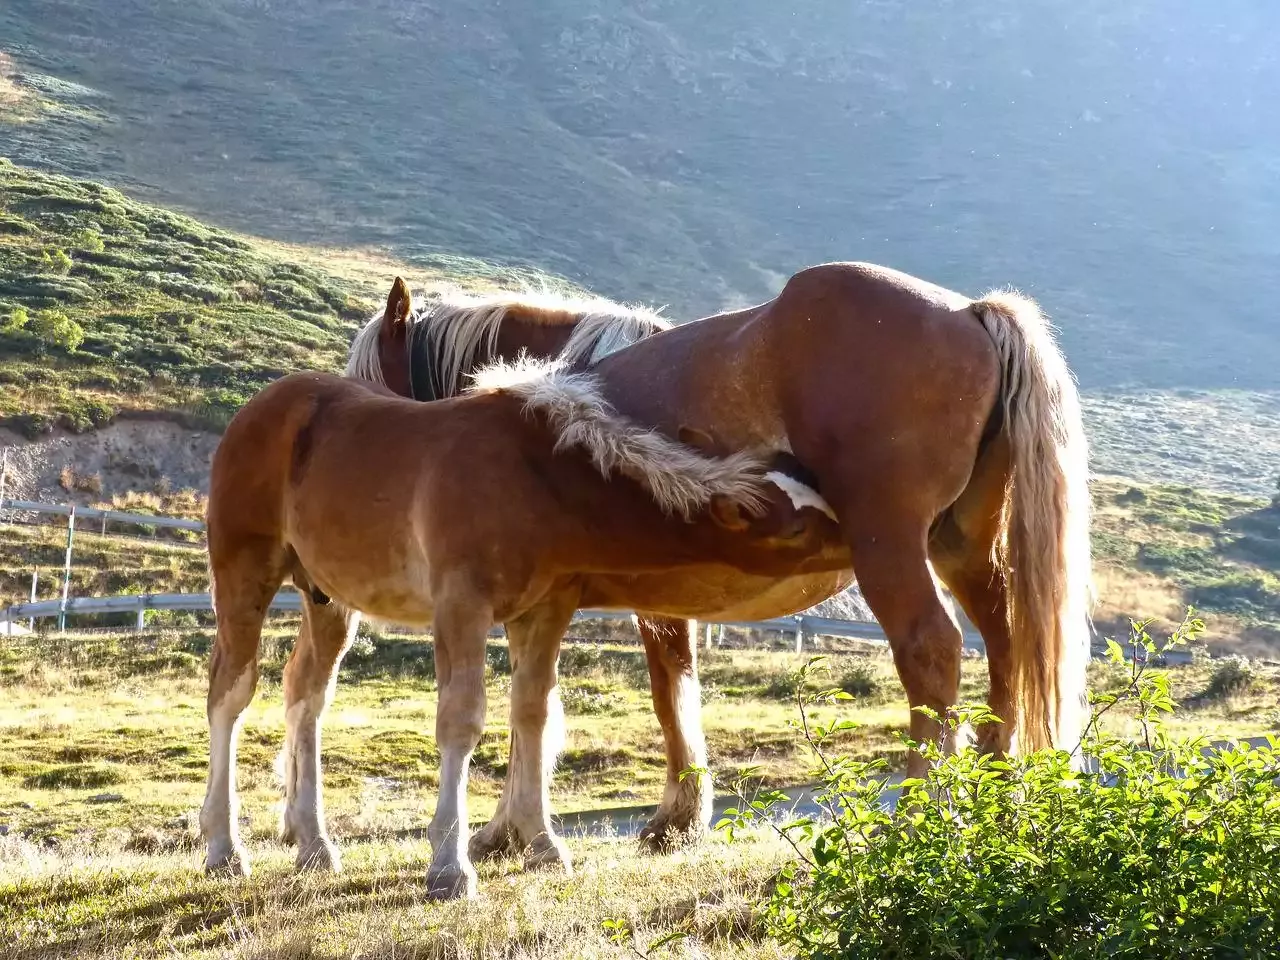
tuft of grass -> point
(1231, 677)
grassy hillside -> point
(110, 304)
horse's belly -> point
(714, 593)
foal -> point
(428, 354)
(490, 508)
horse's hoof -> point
(319, 856)
(234, 863)
(452, 882)
(492, 842)
(548, 853)
(663, 836)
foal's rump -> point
(313, 479)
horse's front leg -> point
(462, 622)
(685, 812)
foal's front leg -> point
(522, 823)
(462, 623)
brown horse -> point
(427, 354)
(945, 435)
(488, 508)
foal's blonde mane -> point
(680, 479)
(464, 327)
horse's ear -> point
(399, 304)
(698, 439)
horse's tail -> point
(1043, 546)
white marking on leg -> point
(801, 495)
(218, 816)
(303, 813)
(689, 801)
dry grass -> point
(105, 903)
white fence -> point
(801, 626)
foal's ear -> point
(399, 304)
(725, 513)
(698, 439)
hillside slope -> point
(108, 304)
(1117, 161)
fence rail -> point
(799, 625)
(92, 513)
(289, 600)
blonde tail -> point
(1044, 543)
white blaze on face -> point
(800, 494)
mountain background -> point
(1119, 162)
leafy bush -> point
(15, 320)
(1118, 850)
(54, 328)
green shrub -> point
(54, 328)
(56, 260)
(15, 320)
(1159, 851)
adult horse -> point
(945, 435)
(428, 354)
(490, 507)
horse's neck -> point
(541, 341)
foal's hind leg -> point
(523, 821)
(309, 679)
(672, 651)
(462, 620)
(244, 582)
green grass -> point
(175, 315)
(102, 761)
(1161, 547)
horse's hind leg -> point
(962, 552)
(891, 563)
(523, 823)
(309, 679)
(245, 579)
(672, 651)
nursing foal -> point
(428, 354)
(494, 507)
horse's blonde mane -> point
(680, 479)
(362, 361)
(464, 328)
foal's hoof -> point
(492, 841)
(452, 883)
(548, 853)
(231, 863)
(319, 856)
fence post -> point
(141, 623)
(66, 571)
(799, 635)
(31, 621)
